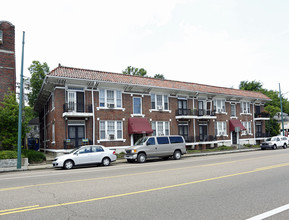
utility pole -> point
(20, 110)
(281, 110)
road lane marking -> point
(148, 190)
(270, 213)
(26, 207)
(111, 177)
(112, 168)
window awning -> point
(139, 126)
(234, 123)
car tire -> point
(274, 147)
(68, 164)
(285, 146)
(141, 158)
(130, 160)
(105, 161)
(177, 155)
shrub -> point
(8, 154)
(34, 156)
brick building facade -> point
(7, 58)
(78, 106)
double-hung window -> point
(110, 130)
(233, 110)
(221, 128)
(160, 128)
(110, 98)
(247, 125)
(159, 102)
(245, 107)
(137, 106)
(219, 105)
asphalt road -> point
(232, 186)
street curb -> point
(49, 166)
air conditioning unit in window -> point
(222, 133)
(110, 105)
(160, 107)
(111, 137)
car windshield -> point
(141, 141)
(76, 149)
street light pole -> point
(281, 110)
(20, 110)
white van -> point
(156, 147)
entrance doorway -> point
(203, 132)
(76, 134)
(234, 137)
(136, 137)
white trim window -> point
(219, 105)
(221, 128)
(248, 126)
(245, 107)
(233, 110)
(110, 98)
(160, 128)
(53, 133)
(52, 100)
(159, 102)
(137, 106)
(110, 130)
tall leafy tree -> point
(38, 72)
(159, 76)
(251, 86)
(135, 71)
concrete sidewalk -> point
(49, 158)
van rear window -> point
(175, 140)
(163, 140)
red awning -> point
(139, 126)
(234, 123)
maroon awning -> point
(139, 126)
(233, 123)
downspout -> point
(194, 120)
(93, 116)
(254, 135)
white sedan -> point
(94, 154)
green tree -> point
(251, 86)
(38, 72)
(9, 121)
(135, 71)
(159, 76)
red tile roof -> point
(76, 73)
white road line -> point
(270, 213)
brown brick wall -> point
(7, 59)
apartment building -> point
(79, 106)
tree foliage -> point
(251, 86)
(140, 72)
(9, 113)
(159, 76)
(38, 72)
(135, 71)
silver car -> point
(94, 154)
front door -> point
(234, 137)
(184, 131)
(203, 133)
(76, 134)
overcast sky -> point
(213, 42)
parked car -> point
(85, 155)
(275, 142)
(156, 147)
